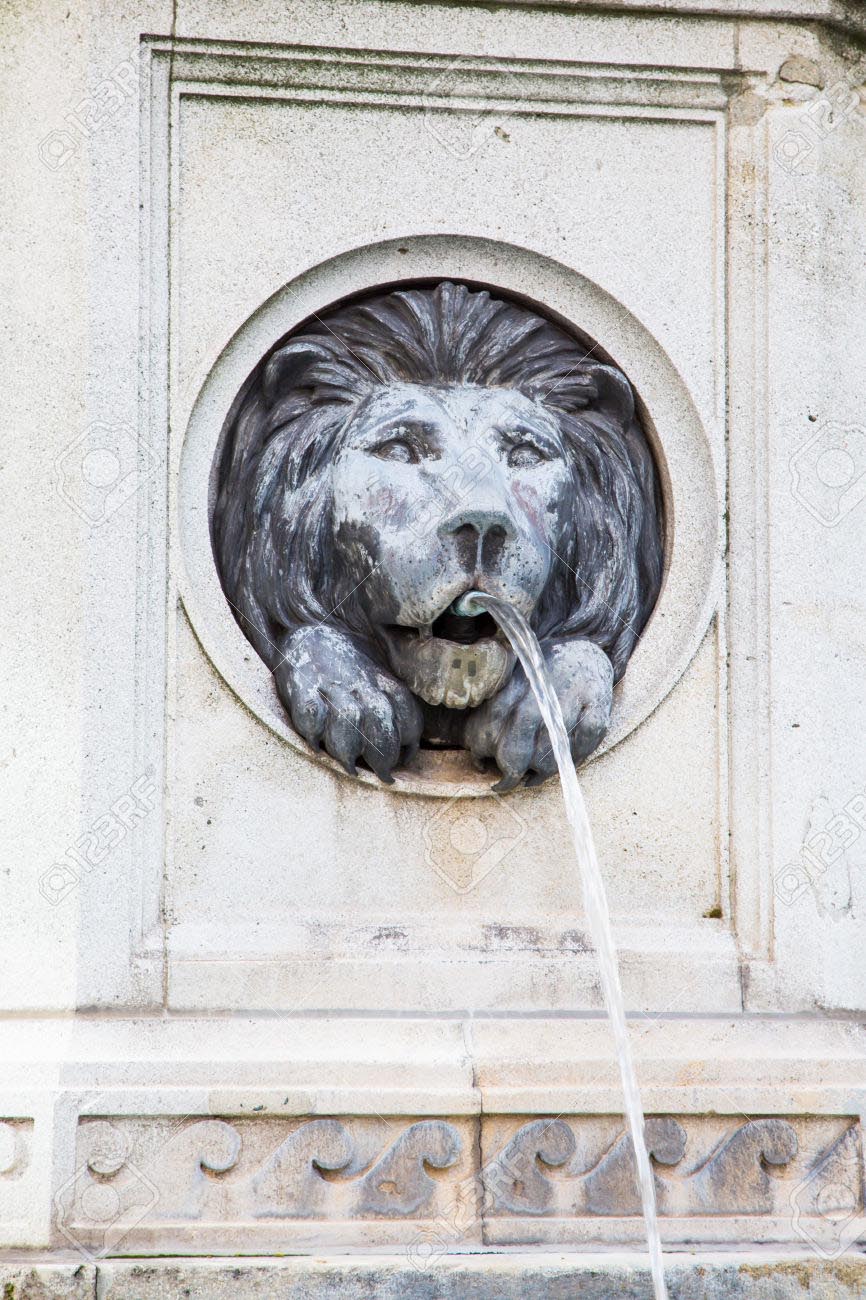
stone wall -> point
(255, 1005)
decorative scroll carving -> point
(109, 1193)
(612, 1186)
(735, 1180)
(194, 1151)
(106, 1146)
(290, 1184)
(398, 1183)
(516, 1181)
(732, 1179)
(833, 1185)
(137, 1175)
(208, 1147)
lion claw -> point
(341, 702)
(509, 727)
(507, 784)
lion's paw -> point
(340, 700)
(509, 727)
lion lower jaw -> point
(445, 672)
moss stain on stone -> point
(847, 1273)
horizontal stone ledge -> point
(355, 1065)
(846, 15)
(746, 1275)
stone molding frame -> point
(691, 586)
(177, 70)
(839, 15)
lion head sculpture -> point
(400, 451)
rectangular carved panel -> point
(553, 1180)
(159, 1181)
(433, 1184)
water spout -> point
(528, 651)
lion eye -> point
(523, 455)
(396, 449)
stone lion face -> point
(436, 491)
(400, 451)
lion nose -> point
(480, 536)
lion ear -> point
(288, 367)
(614, 392)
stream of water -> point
(528, 651)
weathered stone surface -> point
(515, 1180)
(150, 1183)
(612, 1186)
(802, 70)
(291, 1183)
(735, 1179)
(488, 1277)
(398, 1183)
(790, 1180)
(47, 1281)
(261, 1181)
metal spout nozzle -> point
(467, 605)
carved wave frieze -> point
(490, 1179)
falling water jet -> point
(528, 651)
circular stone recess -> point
(679, 441)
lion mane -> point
(272, 522)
